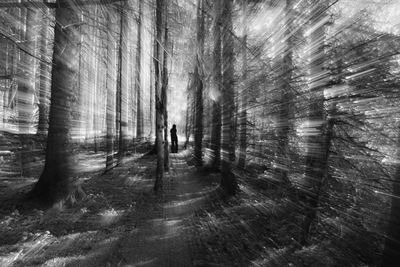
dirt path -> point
(120, 223)
(161, 238)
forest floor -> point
(122, 222)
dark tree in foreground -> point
(57, 181)
(228, 179)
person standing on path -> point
(174, 140)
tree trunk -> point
(318, 143)
(391, 256)
(243, 93)
(164, 91)
(122, 86)
(284, 84)
(26, 89)
(158, 96)
(57, 181)
(216, 104)
(45, 72)
(228, 179)
(110, 85)
(96, 87)
(138, 74)
(198, 83)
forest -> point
(200, 133)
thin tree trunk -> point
(96, 88)
(243, 93)
(57, 181)
(110, 85)
(198, 82)
(158, 96)
(152, 95)
(122, 87)
(216, 104)
(228, 179)
(138, 75)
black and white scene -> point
(204, 133)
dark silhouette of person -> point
(174, 140)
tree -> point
(164, 89)
(138, 74)
(57, 181)
(217, 77)
(110, 86)
(317, 143)
(391, 255)
(198, 83)
(228, 179)
(45, 72)
(158, 87)
(284, 83)
(122, 90)
(243, 93)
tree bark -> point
(228, 179)
(57, 181)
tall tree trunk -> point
(45, 72)
(138, 75)
(57, 181)
(97, 86)
(284, 84)
(164, 90)
(110, 85)
(26, 88)
(158, 95)
(243, 93)
(216, 104)
(318, 143)
(228, 179)
(198, 83)
(122, 86)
